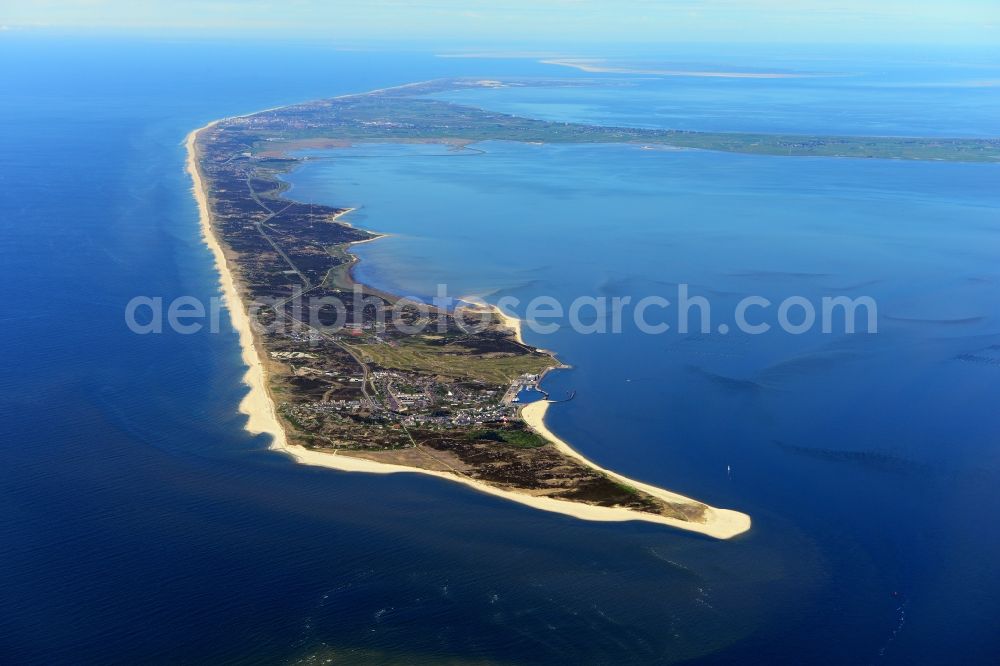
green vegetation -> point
(453, 361)
(403, 115)
(522, 439)
(627, 488)
(339, 276)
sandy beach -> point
(257, 404)
(262, 416)
(477, 304)
(720, 523)
(341, 214)
(595, 67)
(513, 323)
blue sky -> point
(540, 22)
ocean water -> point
(141, 524)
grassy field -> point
(521, 439)
(454, 362)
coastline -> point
(511, 322)
(721, 523)
(262, 417)
(593, 66)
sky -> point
(539, 22)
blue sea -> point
(141, 524)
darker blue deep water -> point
(141, 524)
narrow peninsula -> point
(355, 394)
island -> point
(341, 388)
